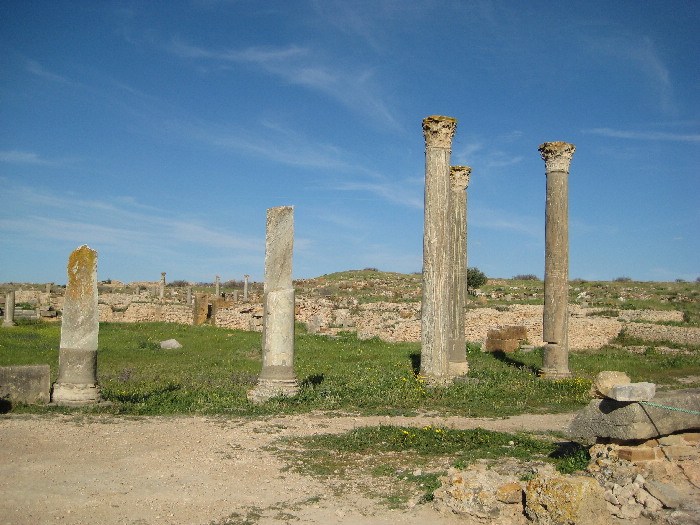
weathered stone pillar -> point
(557, 157)
(459, 178)
(9, 317)
(277, 377)
(48, 287)
(189, 295)
(437, 318)
(245, 288)
(200, 308)
(76, 384)
(217, 290)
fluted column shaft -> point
(555, 320)
(459, 178)
(437, 318)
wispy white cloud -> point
(22, 157)
(37, 69)
(644, 135)
(353, 87)
(396, 192)
(484, 156)
(641, 53)
(502, 220)
(121, 223)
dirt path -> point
(191, 470)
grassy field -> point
(216, 367)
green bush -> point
(476, 278)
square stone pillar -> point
(277, 377)
(76, 384)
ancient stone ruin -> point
(76, 384)
(459, 178)
(557, 157)
(9, 310)
(277, 377)
(437, 321)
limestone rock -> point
(633, 392)
(170, 344)
(566, 500)
(604, 382)
(607, 418)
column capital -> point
(438, 131)
(459, 177)
(557, 155)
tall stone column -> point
(161, 289)
(217, 291)
(555, 362)
(277, 377)
(245, 288)
(9, 317)
(76, 384)
(459, 178)
(437, 317)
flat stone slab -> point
(170, 344)
(608, 418)
(633, 392)
(30, 384)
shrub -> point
(476, 278)
(526, 277)
(622, 280)
(178, 284)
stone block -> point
(680, 452)
(692, 438)
(665, 493)
(637, 454)
(566, 500)
(632, 392)
(605, 380)
(30, 384)
(170, 344)
(607, 418)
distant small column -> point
(235, 296)
(245, 288)
(48, 287)
(9, 317)
(437, 318)
(277, 377)
(555, 319)
(459, 177)
(161, 289)
(76, 384)
(189, 295)
(217, 286)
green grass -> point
(216, 367)
(391, 455)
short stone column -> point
(555, 319)
(459, 178)
(48, 287)
(9, 316)
(217, 286)
(245, 288)
(437, 317)
(189, 295)
(76, 384)
(161, 288)
(200, 308)
(277, 377)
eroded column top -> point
(557, 155)
(438, 131)
(459, 177)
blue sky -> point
(159, 132)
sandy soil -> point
(192, 470)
